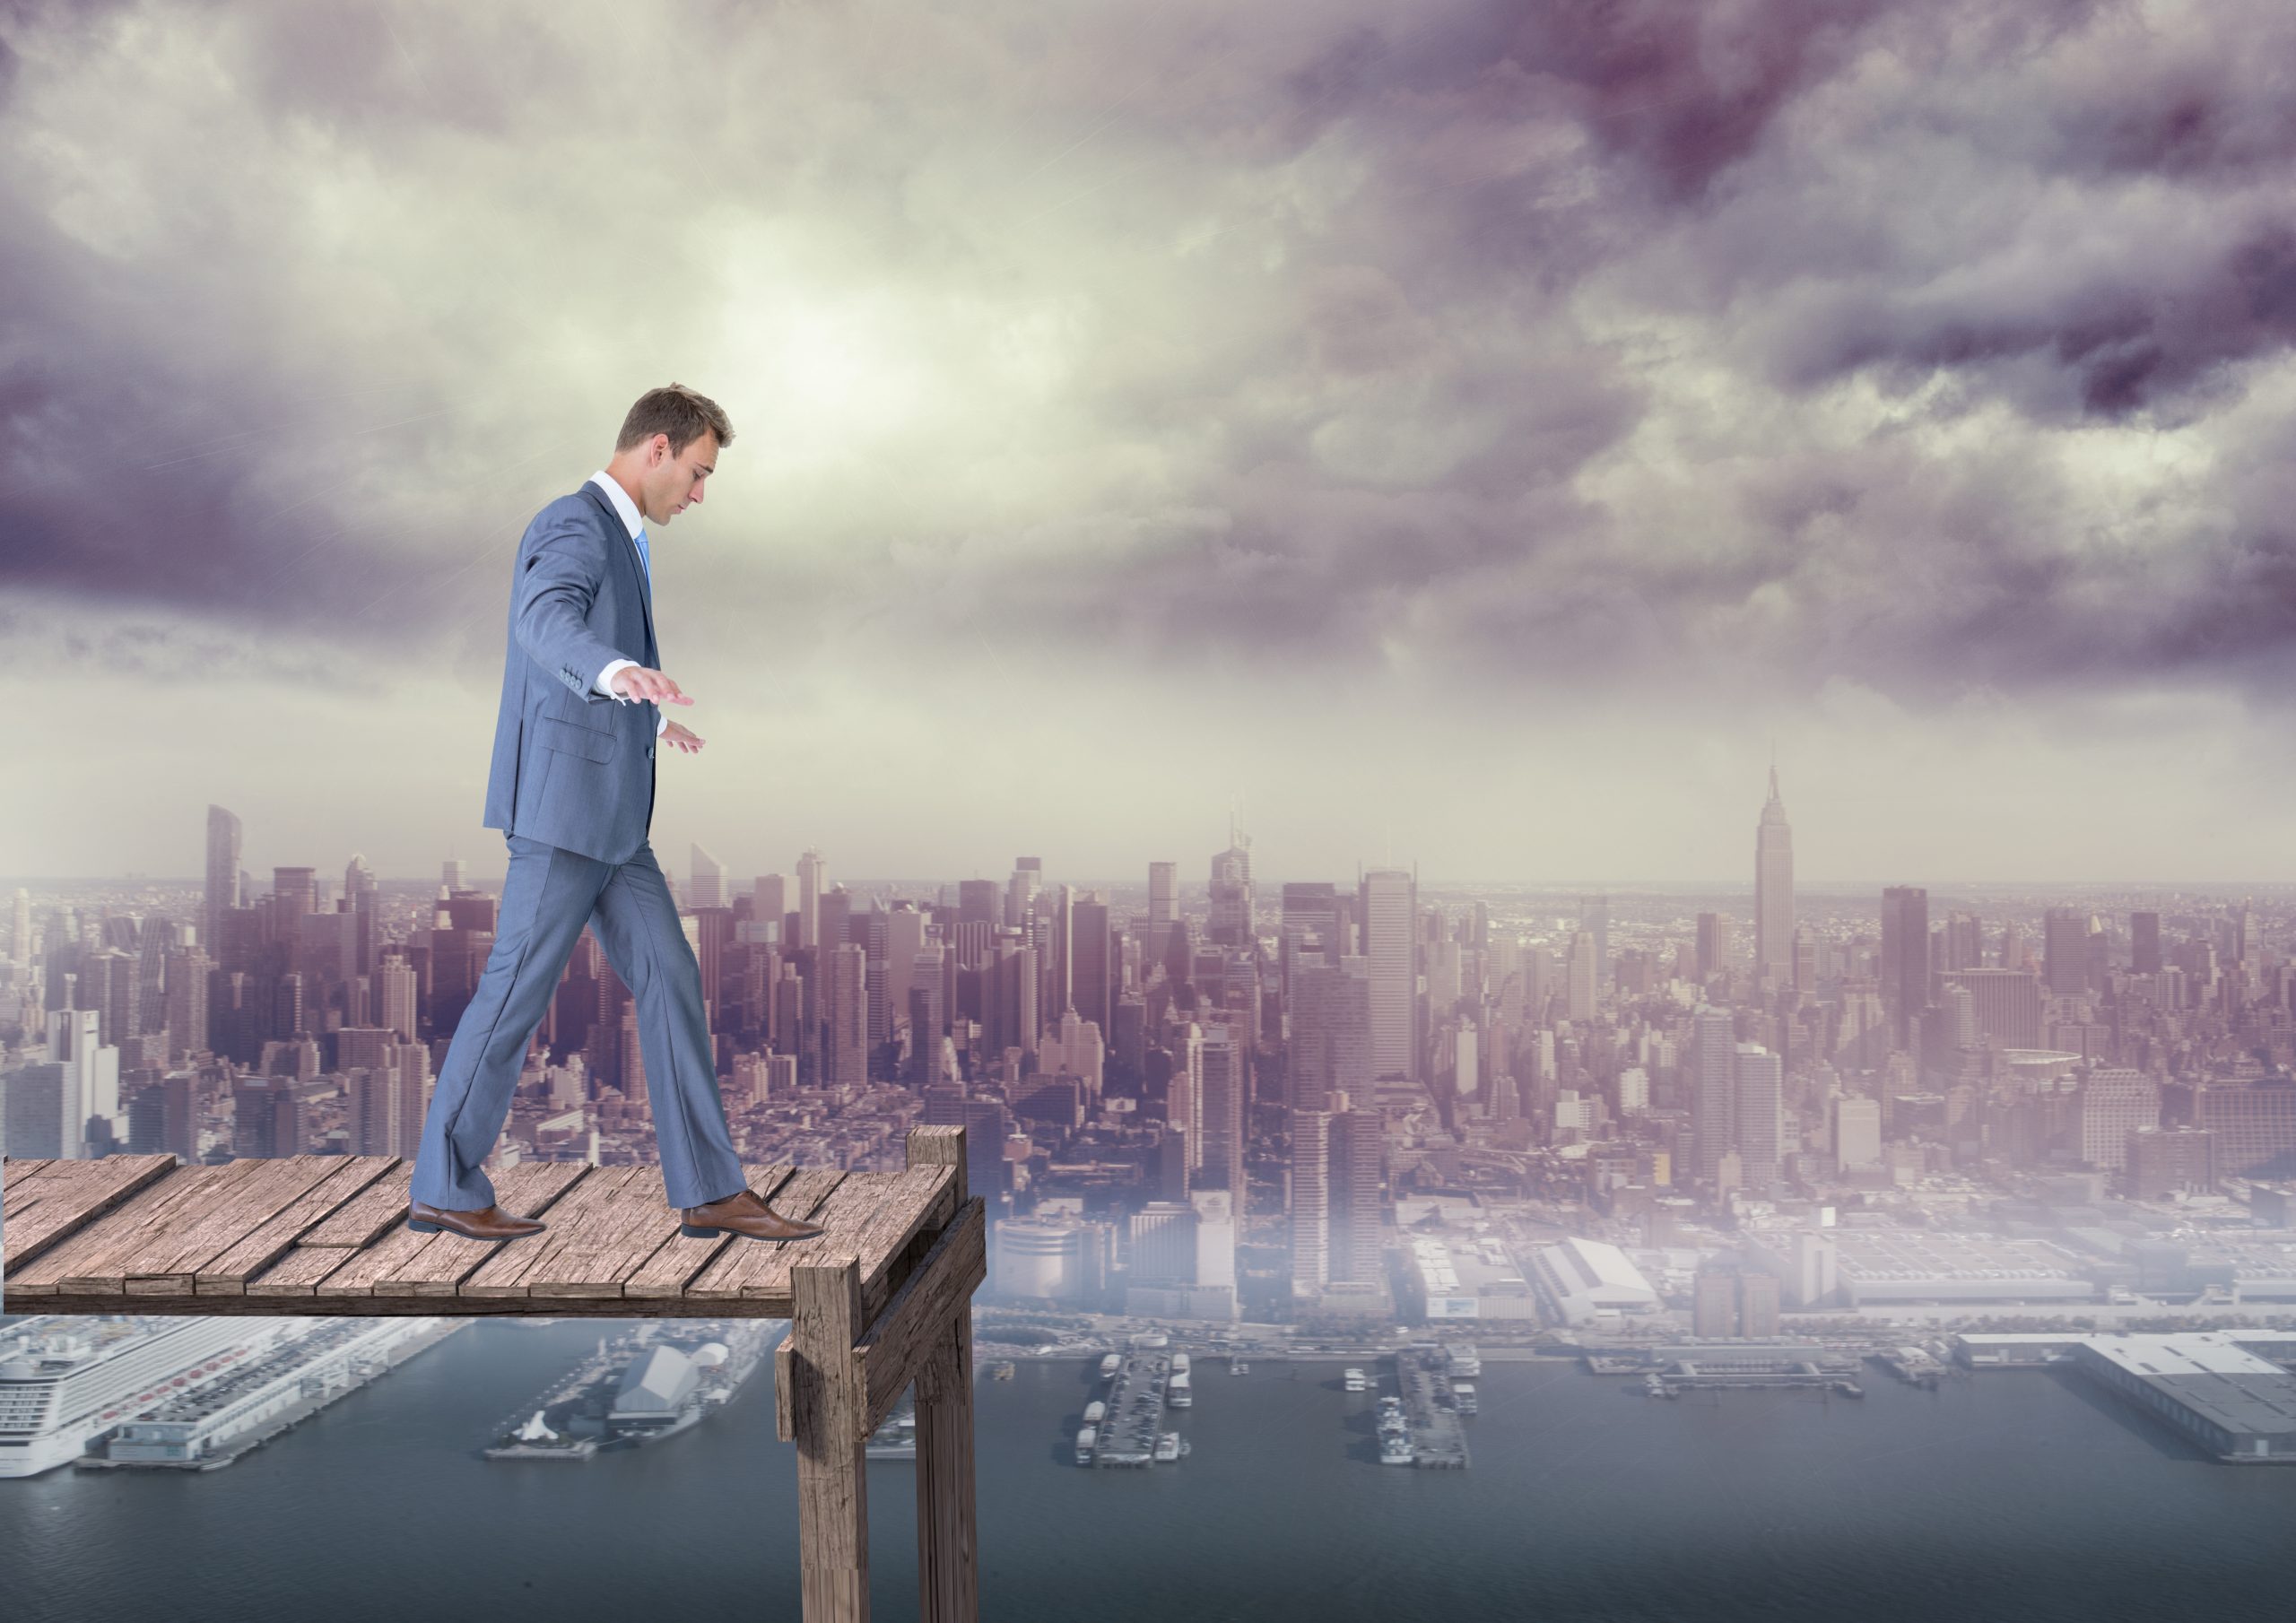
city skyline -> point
(1526, 418)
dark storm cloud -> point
(1725, 348)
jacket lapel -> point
(627, 550)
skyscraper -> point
(1356, 1148)
(1021, 892)
(1230, 922)
(812, 874)
(1905, 960)
(1774, 892)
(1091, 974)
(1595, 918)
(1711, 1064)
(1163, 904)
(1389, 908)
(1759, 1112)
(222, 876)
(708, 888)
(1223, 1111)
(1311, 1199)
(2065, 951)
(2144, 942)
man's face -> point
(672, 482)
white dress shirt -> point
(633, 523)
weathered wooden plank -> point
(670, 1268)
(295, 1276)
(367, 1216)
(404, 1263)
(833, 1476)
(947, 1553)
(603, 1200)
(95, 1260)
(275, 1185)
(918, 1200)
(805, 1196)
(55, 1199)
(893, 1349)
(346, 1176)
(14, 1166)
(620, 1247)
(871, 1214)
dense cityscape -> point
(1366, 1104)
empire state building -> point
(1773, 892)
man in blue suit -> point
(572, 790)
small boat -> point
(1238, 1366)
(1001, 1370)
(1849, 1389)
(1109, 1365)
(1353, 1378)
(1167, 1445)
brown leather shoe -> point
(742, 1213)
(486, 1223)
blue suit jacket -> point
(573, 767)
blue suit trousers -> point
(550, 894)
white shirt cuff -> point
(606, 679)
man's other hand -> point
(636, 681)
(684, 737)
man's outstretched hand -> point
(684, 737)
(636, 681)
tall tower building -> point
(1021, 892)
(1356, 1150)
(1231, 923)
(1712, 1064)
(2144, 942)
(1759, 1080)
(708, 880)
(1389, 909)
(812, 872)
(1905, 960)
(222, 876)
(1774, 892)
(2065, 951)
(1222, 1158)
(1164, 902)
(770, 902)
(1713, 943)
(1091, 972)
(1595, 918)
(1310, 1200)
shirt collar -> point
(620, 500)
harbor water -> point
(2024, 1495)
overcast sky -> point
(1474, 434)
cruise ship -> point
(66, 1381)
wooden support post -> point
(947, 1568)
(830, 1415)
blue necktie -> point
(644, 559)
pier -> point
(1439, 1440)
(880, 1301)
(1126, 1436)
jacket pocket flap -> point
(571, 740)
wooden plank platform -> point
(326, 1234)
(879, 1301)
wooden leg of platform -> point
(831, 1413)
(946, 1569)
